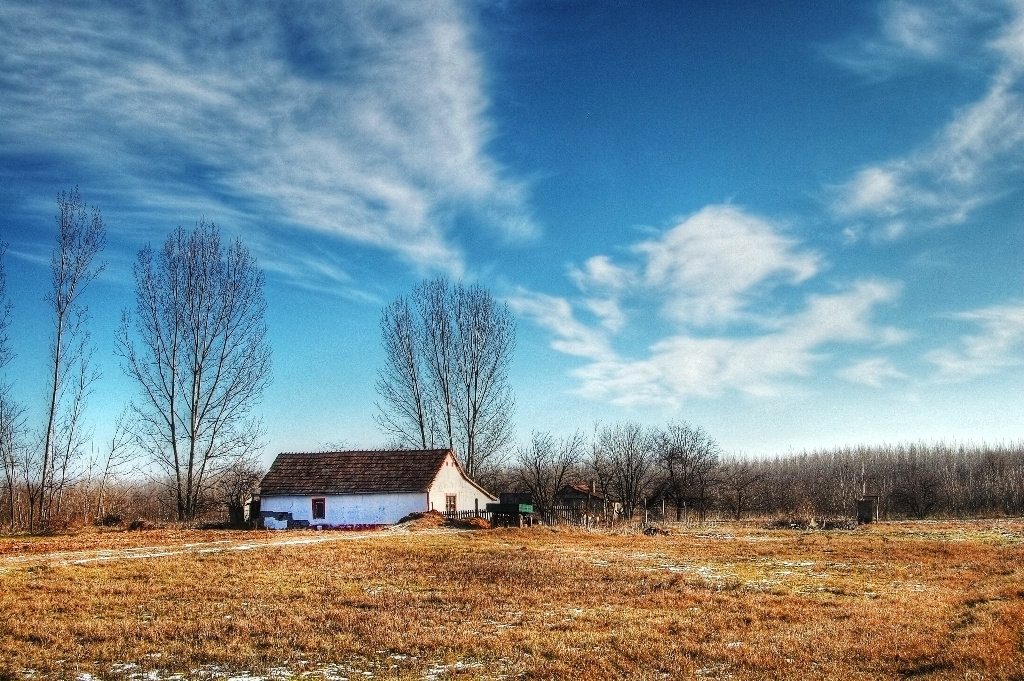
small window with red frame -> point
(319, 509)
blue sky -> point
(797, 227)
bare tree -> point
(72, 434)
(435, 305)
(686, 455)
(445, 378)
(104, 467)
(917, 482)
(12, 421)
(623, 457)
(547, 464)
(235, 485)
(81, 236)
(5, 312)
(739, 483)
(487, 336)
(12, 446)
(401, 383)
(196, 346)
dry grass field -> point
(923, 600)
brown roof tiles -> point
(360, 472)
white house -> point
(364, 487)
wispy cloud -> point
(572, 337)
(318, 270)
(683, 365)
(995, 347)
(973, 159)
(712, 260)
(874, 372)
(708, 268)
(366, 120)
(911, 32)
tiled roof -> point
(363, 472)
(581, 488)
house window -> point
(319, 509)
(449, 503)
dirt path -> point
(172, 549)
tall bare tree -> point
(12, 446)
(486, 340)
(196, 346)
(5, 311)
(12, 423)
(81, 236)
(686, 455)
(402, 381)
(624, 459)
(547, 464)
(72, 434)
(445, 379)
(436, 333)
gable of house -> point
(453, 490)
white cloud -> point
(705, 270)
(914, 31)
(1010, 41)
(711, 267)
(555, 314)
(975, 157)
(913, 27)
(367, 120)
(608, 310)
(997, 346)
(872, 190)
(967, 165)
(711, 261)
(683, 365)
(600, 273)
(873, 372)
(319, 271)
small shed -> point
(867, 509)
(365, 488)
(582, 497)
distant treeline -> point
(916, 480)
(680, 471)
(645, 472)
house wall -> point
(449, 480)
(349, 509)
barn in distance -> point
(364, 488)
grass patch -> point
(921, 600)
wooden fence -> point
(575, 516)
(463, 515)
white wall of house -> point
(349, 509)
(449, 480)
